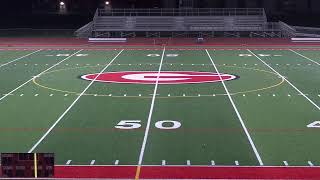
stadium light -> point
(62, 3)
(107, 3)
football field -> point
(163, 106)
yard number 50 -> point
(134, 124)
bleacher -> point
(124, 22)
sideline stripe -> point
(39, 75)
(237, 112)
(19, 58)
(286, 80)
(304, 57)
(145, 138)
(73, 103)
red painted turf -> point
(185, 172)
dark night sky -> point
(45, 13)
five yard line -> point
(72, 104)
(285, 80)
(7, 94)
(145, 138)
(304, 57)
(237, 112)
(19, 58)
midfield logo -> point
(165, 77)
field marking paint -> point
(310, 163)
(145, 138)
(19, 58)
(163, 163)
(304, 57)
(188, 162)
(72, 104)
(285, 80)
(238, 113)
(39, 75)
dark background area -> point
(47, 13)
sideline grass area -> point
(273, 112)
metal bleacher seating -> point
(129, 22)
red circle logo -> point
(165, 77)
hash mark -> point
(68, 162)
(163, 163)
(213, 163)
(310, 163)
(188, 162)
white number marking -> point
(128, 124)
(173, 124)
(81, 55)
(153, 55)
(134, 124)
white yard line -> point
(73, 103)
(237, 112)
(300, 92)
(19, 58)
(305, 57)
(145, 138)
(38, 75)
